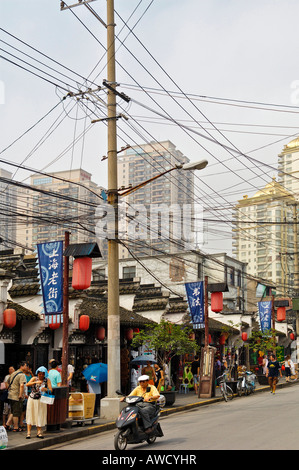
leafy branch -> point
(167, 339)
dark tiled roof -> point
(23, 313)
(18, 290)
(178, 305)
(143, 305)
(97, 312)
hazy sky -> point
(240, 55)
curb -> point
(49, 441)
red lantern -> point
(244, 336)
(129, 334)
(84, 322)
(55, 324)
(82, 273)
(216, 301)
(222, 340)
(210, 339)
(9, 318)
(136, 330)
(281, 313)
(100, 333)
(292, 336)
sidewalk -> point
(183, 402)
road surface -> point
(261, 421)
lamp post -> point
(200, 165)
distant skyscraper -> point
(288, 167)
(8, 205)
(265, 236)
(141, 163)
(49, 217)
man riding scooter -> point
(149, 394)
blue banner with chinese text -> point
(195, 296)
(265, 314)
(50, 258)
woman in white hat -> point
(36, 413)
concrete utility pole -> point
(65, 325)
(110, 405)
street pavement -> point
(183, 402)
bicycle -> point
(225, 389)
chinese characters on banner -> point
(265, 313)
(50, 257)
(195, 296)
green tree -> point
(167, 339)
(263, 341)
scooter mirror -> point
(148, 389)
(118, 392)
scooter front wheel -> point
(120, 441)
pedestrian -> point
(289, 369)
(36, 413)
(54, 375)
(7, 415)
(16, 390)
(150, 371)
(260, 362)
(159, 377)
(218, 369)
(272, 372)
(265, 364)
(94, 387)
(29, 375)
(195, 372)
(70, 373)
(134, 376)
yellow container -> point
(81, 405)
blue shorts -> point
(196, 379)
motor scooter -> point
(130, 425)
(250, 380)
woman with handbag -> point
(36, 413)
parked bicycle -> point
(225, 389)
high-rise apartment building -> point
(265, 235)
(174, 190)
(49, 216)
(7, 216)
(288, 167)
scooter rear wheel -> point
(120, 441)
(151, 439)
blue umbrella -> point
(96, 373)
(143, 360)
